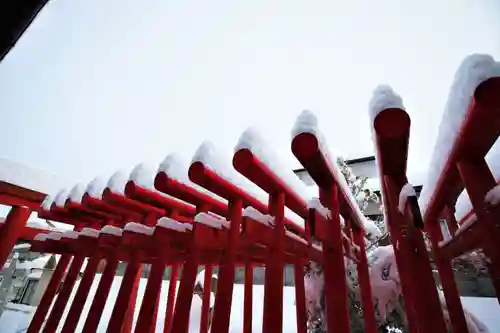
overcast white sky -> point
(94, 86)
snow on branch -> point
(308, 123)
(384, 98)
(252, 140)
(211, 221)
(139, 228)
(89, 232)
(168, 223)
(493, 196)
(406, 191)
(255, 215)
(76, 193)
(96, 187)
(473, 70)
(111, 230)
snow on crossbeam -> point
(168, 223)
(40, 237)
(96, 187)
(53, 236)
(76, 193)
(139, 228)
(211, 221)
(70, 234)
(406, 191)
(61, 197)
(310, 148)
(315, 204)
(111, 230)
(463, 118)
(89, 232)
(255, 215)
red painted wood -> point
(248, 298)
(11, 230)
(205, 304)
(169, 311)
(300, 296)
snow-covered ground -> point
(16, 318)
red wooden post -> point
(81, 295)
(49, 294)
(129, 317)
(364, 283)
(169, 311)
(63, 297)
(205, 304)
(300, 296)
(452, 297)
(225, 281)
(120, 312)
(337, 312)
(248, 297)
(100, 297)
(273, 288)
(12, 228)
(146, 321)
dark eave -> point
(16, 16)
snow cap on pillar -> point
(96, 187)
(61, 197)
(143, 175)
(117, 182)
(76, 193)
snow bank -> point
(167, 222)
(61, 197)
(383, 98)
(473, 70)
(176, 168)
(139, 228)
(70, 234)
(211, 221)
(252, 140)
(308, 123)
(254, 214)
(117, 182)
(143, 175)
(111, 230)
(96, 187)
(406, 191)
(76, 193)
(493, 196)
(89, 232)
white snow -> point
(96, 187)
(47, 202)
(16, 173)
(139, 228)
(111, 230)
(70, 234)
(445, 231)
(23, 246)
(40, 237)
(54, 236)
(38, 263)
(211, 221)
(383, 98)
(117, 182)
(36, 274)
(61, 198)
(143, 175)
(406, 191)
(252, 140)
(493, 196)
(308, 123)
(89, 232)
(167, 222)
(473, 70)
(76, 193)
(258, 216)
(176, 168)
(315, 204)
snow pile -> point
(47, 202)
(53, 236)
(76, 193)
(139, 228)
(167, 222)
(143, 175)
(40, 237)
(96, 187)
(61, 198)
(70, 234)
(308, 123)
(89, 232)
(384, 98)
(253, 141)
(406, 191)
(175, 167)
(254, 214)
(493, 196)
(211, 221)
(315, 204)
(117, 182)
(111, 230)
(473, 70)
